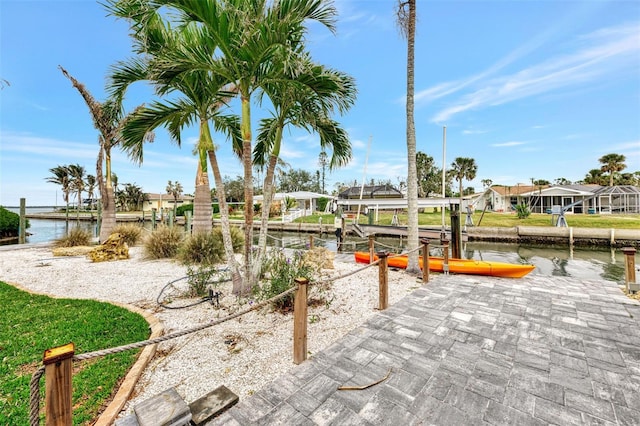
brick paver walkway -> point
(472, 350)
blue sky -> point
(529, 89)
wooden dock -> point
(431, 233)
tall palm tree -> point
(108, 118)
(76, 176)
(463, 168)
(305, 101)
(61, 177)
(612, 163)
(406, 17)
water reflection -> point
(580, 263)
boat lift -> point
(559, 211)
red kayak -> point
(456, 266)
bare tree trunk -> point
(249, 279)
(267, 194)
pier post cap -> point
(628, 250)
(382, 253)
(60, 353)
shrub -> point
(280, 272)
(201, 278)
(184, 208)
(10, 223)
(204, 248)
(322, 204)
(215, 208)
(522, 211)
(75, 237)
(131, 233)
(163, 242)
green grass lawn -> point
(30, 324)
(505, 220)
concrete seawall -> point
(561, 236)
(607, 237)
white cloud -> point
(504, 144)
(473, 132)
(612, 52)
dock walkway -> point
(472, 351)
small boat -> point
(456, 266)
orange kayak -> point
(456, 266)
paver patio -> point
(472, 350)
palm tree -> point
(61, 177)
(91, 187)
(175, 190)
(306, 101)
(463, 168)
(108, 118)
(200, 96)
(258, 42)
(406, 17)
(76, 176)
(612, 163)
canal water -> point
(579, 263)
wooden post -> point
(383, 287)
(300, 321)
(170, 218)
(187, 221)
(425, 260)
(455, 232)
(445, 255)
(153, 218)
(58, 371)
(372, 239)
(22, 222)
(630, 269)
(311, 242)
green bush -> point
(131, 233)
(522, 211)
(75, 237)
(215, 208)
(279, 273)
(322, 204)
(10, 223)
(163, 242)
(203, 248)
(202, 277)
(184, 208)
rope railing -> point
(34, 399)
(300, 335)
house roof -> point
(516, 189)
(297, 195)
(371, 191)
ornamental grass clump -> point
(75, 237)
(132, 233)
(279, 273)
(202, 248)
(163, 242)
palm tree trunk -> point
(236, 275)
(249, 279)
(108, 214)
(202, 201)
(413, 265)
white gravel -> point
(243, 354)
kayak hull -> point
(456, 266)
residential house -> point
(164, 202)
